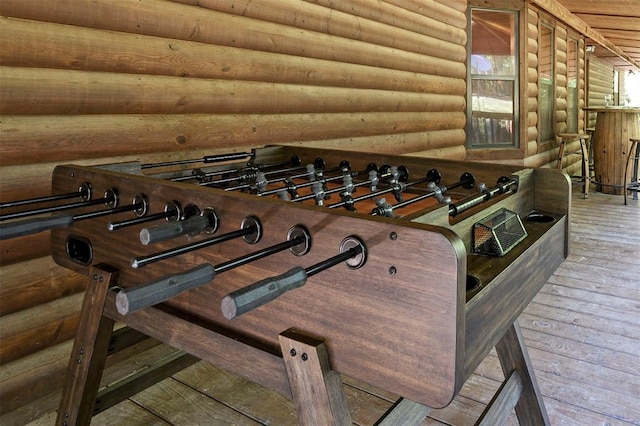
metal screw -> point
(95, 277)
(392, 270)
(292, 352)
(305, 356)
(393, 236)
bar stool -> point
(565, 138)
(592, 170)
(634, 184)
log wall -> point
(600, 75)
(99, 81)
(544, 153)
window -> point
(572, 86)
(493, 80)
(546, 104)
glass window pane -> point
(546, 93)
(572, 86)
(493, 112)
(493, 72)
(493, 42)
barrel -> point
(611, 145)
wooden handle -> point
(259, 293)
(135, 298)
(32, 226)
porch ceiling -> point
(617, 22)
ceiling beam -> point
(565, 15)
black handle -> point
(259, 293)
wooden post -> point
(89, 351)
(317, 390)
(513, 356)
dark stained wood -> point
(207, 344)
(513, 356)
(129, 386)
(188, 322)
(584, 362)
(316, 388)
(306, 308)
(503, 402)
(89, 352)
(404, 412)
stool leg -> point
(634, 147)
(560, 155)
(586, 175)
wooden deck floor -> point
(582, 332)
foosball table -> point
(291, 266)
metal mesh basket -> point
(498, 233)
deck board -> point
(582, 332)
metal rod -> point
(395, 188)
(84, 192)
(250, 175)
(206, 159)
(248, 171)
(114, 210)
(467, 180)
(172, 211)
(332, 261)
(503, 185)
(351, 188)
(295, 186)
(234, 263)
(56, 208)
(39, 224)
(41, 200)
(114, 226)
(139, 262)
(243, 300)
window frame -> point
(514, 78)
(552, 106)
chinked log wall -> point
(541, 153)
(104, 81)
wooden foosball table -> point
(290, 266)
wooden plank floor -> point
(582, 332)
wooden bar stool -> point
(632, 185)
(566, 138)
